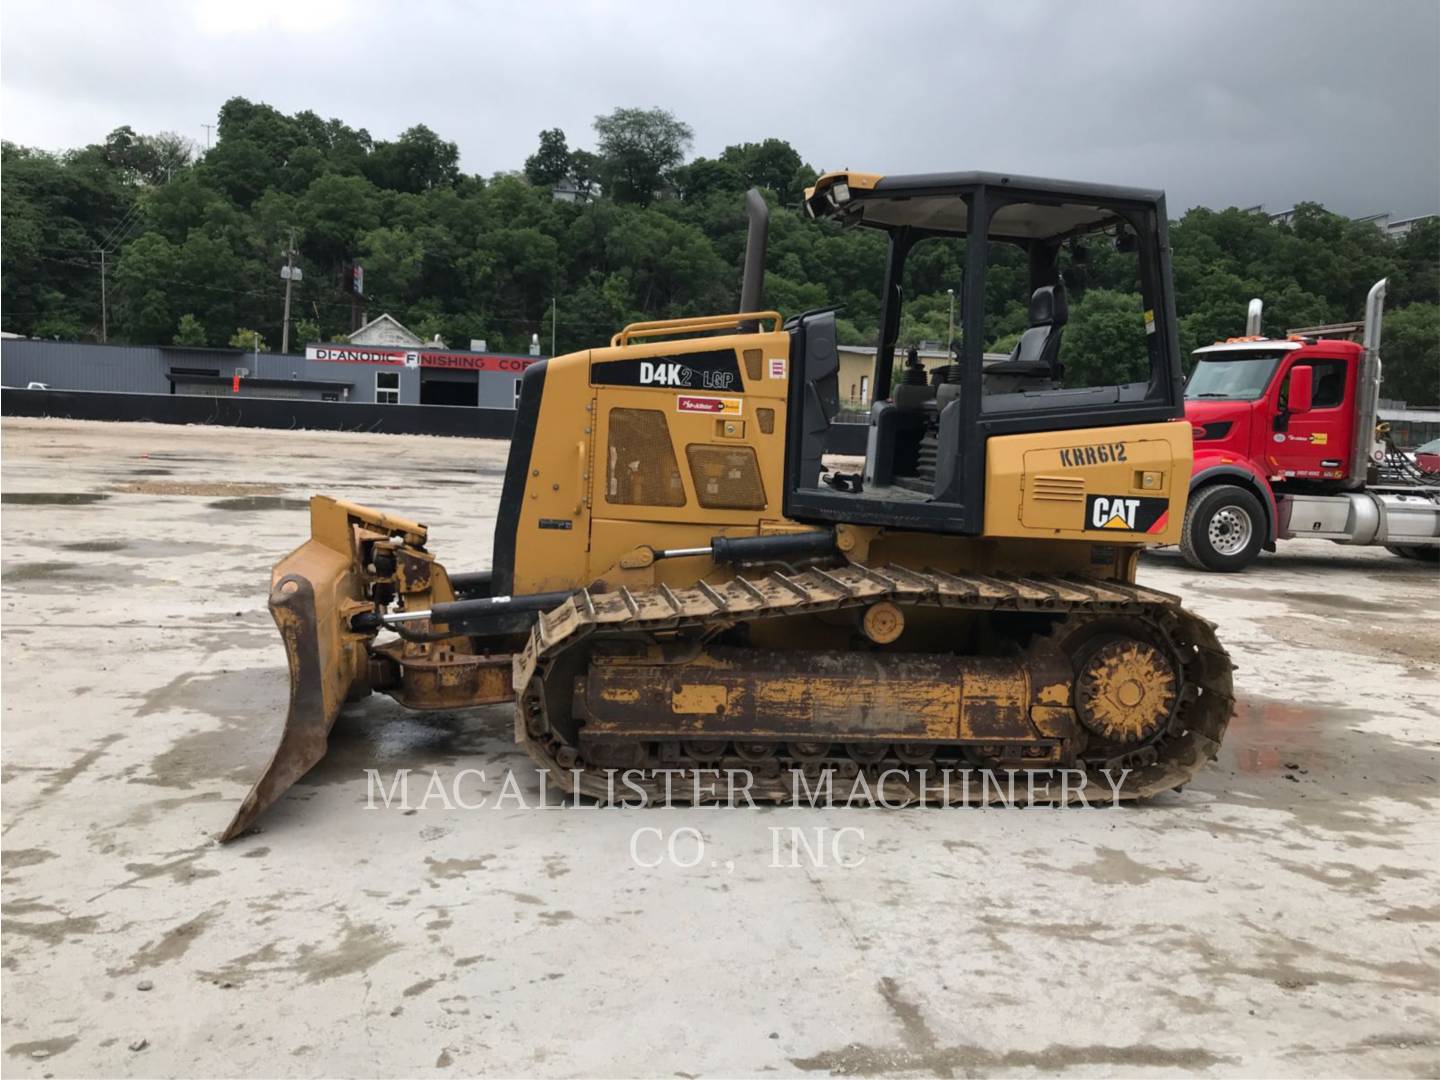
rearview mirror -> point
(1301, 386)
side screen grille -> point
(726, 477)
(754, 366)
(640, 467)
(1058, 489)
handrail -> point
(692, 324)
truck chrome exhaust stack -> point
(1253, 316)
(1367, 449)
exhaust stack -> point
(1367, 390)
(752, 284)
(1252, 317)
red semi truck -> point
(1287, 445)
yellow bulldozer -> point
(684, 579)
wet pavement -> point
(1278, 917)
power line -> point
(112, 242)
(126, 223)
(331, 305)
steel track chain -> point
(1192, 738)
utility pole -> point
(289, 275)
(552, 326)
(207, 128)
(255, 370)
(104, 305)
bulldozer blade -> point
(313, 593)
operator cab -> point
(1013, 255)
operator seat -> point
(1037, 353)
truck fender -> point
(1235, 472)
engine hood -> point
(1220, 421)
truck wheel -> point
(1418, 552)
(1224, 529)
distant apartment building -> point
(1396, 227)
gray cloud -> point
(1218, 102)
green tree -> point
(660, 236)
(417, 161)
(1105, 341)
(551, 163)
(240, 168)
(245, 338)
(1410, 352)
(773, 164)
(190, 331)
(334, 212)
(585, 170)
(144, 282)
(638, 150)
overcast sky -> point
(1220, 103)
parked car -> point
(37, 386)
(1427, 457)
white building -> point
(384, 330)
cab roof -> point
(934, 201)
(1263, 345)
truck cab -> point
(1240, 403)
(1286, 445)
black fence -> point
(258, 412)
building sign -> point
(369, 354)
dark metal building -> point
(342, 372)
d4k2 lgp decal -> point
(714, 369)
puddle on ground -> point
(1330, 600)
(190, 487)
(1398, 636)
(64, 576)
(98, 546)
(250, 707)
(42, 1048)
(1271, 738)
(358, 948)
(171, 945)
(1336, 781)
(151, 472)
(260, 502)
(52, 498)
(36, 571)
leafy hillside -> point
(194, 245)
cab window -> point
(1328, 384)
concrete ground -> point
(1278, 917)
